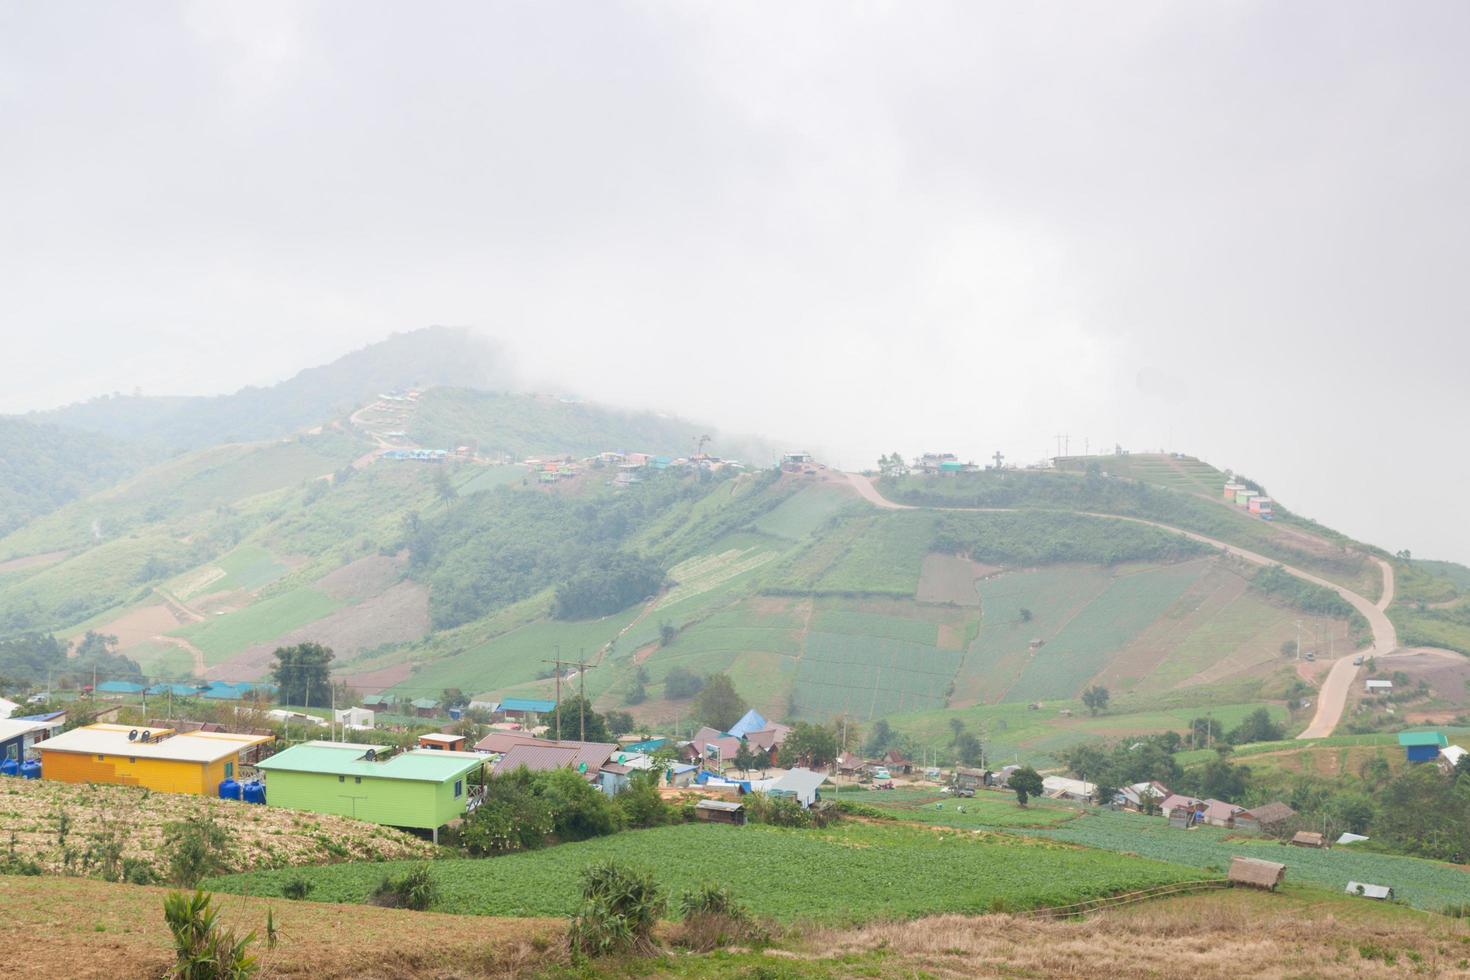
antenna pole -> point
(582, 696)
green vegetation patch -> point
(869, 676)
(220, 637)
(800, 515)
(885, 559)
(848, 873)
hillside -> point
(419, 358)
(43, 466)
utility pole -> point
(1299, 639)
(582, 668)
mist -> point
(1231, 230)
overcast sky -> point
(1233, 229)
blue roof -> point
(183, 690)
(120, 687)
(527, 704)
(48, 716)
(224, 692)
(649, 745)
(751, 722)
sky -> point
(1234, 229)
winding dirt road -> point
(1332, 696)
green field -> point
(1194, 756)
(221, 637)
(848, 873)
(800, 515)
(982, 811)
(886, 558)
(869, 676)
(1422, 884)
(247, 567)
(491, 477)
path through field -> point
(1332, 697)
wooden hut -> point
(720, 811)
(1308, 838)
(1255, 873)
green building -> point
(420, 789)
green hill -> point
(43, 466)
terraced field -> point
(869, 676)
(223, 636)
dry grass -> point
(80, 929)
(262, 836)
(1233, 934)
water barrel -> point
(254, 791)
(9, 768)
(229, 790)
(455, 714)
(31, 769)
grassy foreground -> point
(848, 873)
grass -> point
(221, 637)
(1195, 756)
(848, 873)
(800, 515)
(1422, 884)
(991, 811)
(868, 676)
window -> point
(229, 770)
(11, 751)
(132, 758)
(458, 788)
(102, 758)
(341, 779)
(357, 779)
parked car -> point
(883, 774)
(1358, 660)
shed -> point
(120, 687)
(801, 783)
(1308, 838)
(969, 778)
(441, 742)
(158, 759)
(355, 717)
(421, 789)
(1382, 893)
(1450, 756)
(18, 738)
(1422, 746)
(680, 774)
(424, 707)
(1062, 788)
(1255, 873)
(378, 702)
(524, 708)
(720, 811)
(1264, 817)
(1378, 687)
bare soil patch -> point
(362, 579)
(1446, 676)
(395, 616)
(32, 561)
(373, 681)
(141, 625)
(223, 602)
(951, 579)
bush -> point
(712, 918)
(620, 907)
(579, 810)
(196, 848)
(512, 818)
(641, 805)
(681, 682)
(415, 890)
(297, 888)
(203, 949)
(777, 811)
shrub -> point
(777, 811)
(579, 810)
(620, 907)
(196, 849)
(203, 949)
(415, 890)
(712, 918)
(297, 888)
(641, 804)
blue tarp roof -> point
(751, 722)
(183, 690)
(649, 745)
(527, 704)
(120, 687)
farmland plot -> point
(868, 676)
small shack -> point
(969, 778)
(1308, 838)
(1255, 873)
(720, 811)
(442, 742)
(425, 707)
(1266, 818)
(1422, 746)
(17, 739)
(1450, 756)
(1382, 893)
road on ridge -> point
(1332, 695)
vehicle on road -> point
(1358, 660)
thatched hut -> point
(1255, 873)
(1309, 838)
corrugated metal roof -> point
(346, 759)
(727, 806)
(1411, 739)
(527, 704)
(424, 703)
(594, 754)
(13, 729)
(1369, 891)
(503, 741)
(536, 758)
(113, 740)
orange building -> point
(158, 758)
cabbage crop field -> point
(848, 873)
(869, 676)
(1423, 884)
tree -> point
(443, 486)
(1025, 615)
(880, 737)
(1096, 698)
(577, 716)
(808, 745)
(720, 705)
(667, 631)
(956, 729)
(618, 723)
(968, 749)
(1256, 727)
(1026, 781)
(302, 674)
(681, 682)
(453, 697)
(745, 759)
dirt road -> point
(1332, 697)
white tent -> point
(355, 717)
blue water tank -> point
(254, 791)
(9, 768)
(455, 714)
(31, 769)
(229, 790)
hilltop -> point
(439, 536)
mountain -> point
(420, 358)
(42, 466)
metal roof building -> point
(158, 759)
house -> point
(441, 742)
(999, 778)
(173, 690)
(1255, 873)
(1264, 818)
(156, 758)
(715, 747)
(18, 739)
(896, 762)
(1450, 756)
(849, 764)
(120, 687)
(646, 745)
(796, 462)
(1062, 788)
(420, 789)
(799, 783)
(1378, 687)
(489, 707)
(543, 755)
(1218, 813)
(1183, 811)
(424, 707)
(378, 702)
(499, 743)
(768, 741)
(525, 710)
(969, 778)
(55, 721)
(720, 811)
(680, 774)
(355, 717)
(751, 721)
(614, 777)
(1382, 893)
(1422, 746)
(1142, 796)
(1308, 838)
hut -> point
(442, 742)
(425, 707)
(1422, 746)
(1308, 838)
(1255, 873)
(720, 811)
(1265, 818)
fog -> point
(1236, 230)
